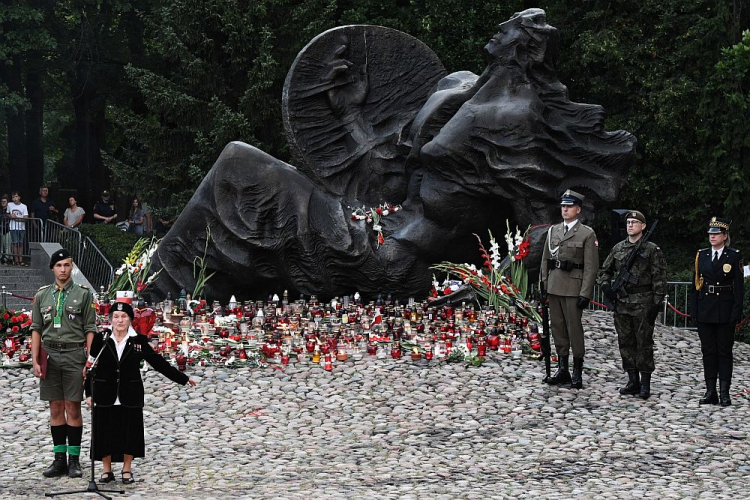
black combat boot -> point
(645, 385)
(59, 467)
(576, 381)
(724, 398)
(74, 466)
(562, 375)
(710, 397)
(634, 383)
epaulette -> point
(43, 287)
(82, 286)
(734, 250)
(704, 249)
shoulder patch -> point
(43, 287)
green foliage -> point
(114, 243)
(743, 334)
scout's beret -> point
(635, 214)
(123, 307)
(718, 225)
(570, 197)
(59, 255)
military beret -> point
(570, 197)
(718, 225)
(123, 307)
(59, 255)
(635, 214)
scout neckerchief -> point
(59, 305)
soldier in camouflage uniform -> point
(635, 314)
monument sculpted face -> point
(372, 118)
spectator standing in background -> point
(43, 207)
(136, 218)
(5, 255)
(74, 214)
(104, 210)
(18, 211)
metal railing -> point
(15, 236)
(676, 304)
(89, 259)
(94, 265)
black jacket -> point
(122, 378)
(723, 305)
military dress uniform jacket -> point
(719, 299)
(121, 378)
(579, 251)
(650, 267)
(78, 313)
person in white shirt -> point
(18, 212)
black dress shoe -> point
(127, 480)
(710, 397)
(59, 467)
(724, 398)
(107, 477)
(74, 467)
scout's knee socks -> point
(60, 466)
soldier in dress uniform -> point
(63, 321)
(569, 264)
(635, 314)
(717, 308)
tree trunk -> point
(10, 74)
(35, 122)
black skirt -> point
(118, 431)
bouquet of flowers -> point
(14, 324)
(492, 282)
(373, 216)
(133, 274)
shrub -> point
(114, 243)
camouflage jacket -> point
(649, 267)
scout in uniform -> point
(569, 264)
(63, 322)
(635, 314)
(717, 308)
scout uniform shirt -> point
(570, 261)
(650, 267)
(63, 315)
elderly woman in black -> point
(118, 392)
(717, 308)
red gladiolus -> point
(381, 240)
(504, 289)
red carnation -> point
(14, 329)
(6, 316)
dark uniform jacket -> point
(711, 304)
(122, 378)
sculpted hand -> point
(582, 302)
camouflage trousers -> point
(635, 337)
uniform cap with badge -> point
(570, 197)
(635, 214)
(123, 307)
(718, 225)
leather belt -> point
(718, 288)
(564, 265)
(62, 345)
(638, 289)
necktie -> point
(565, 230)
(716, 256)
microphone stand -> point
(92, 487)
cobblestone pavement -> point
(386, 429)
